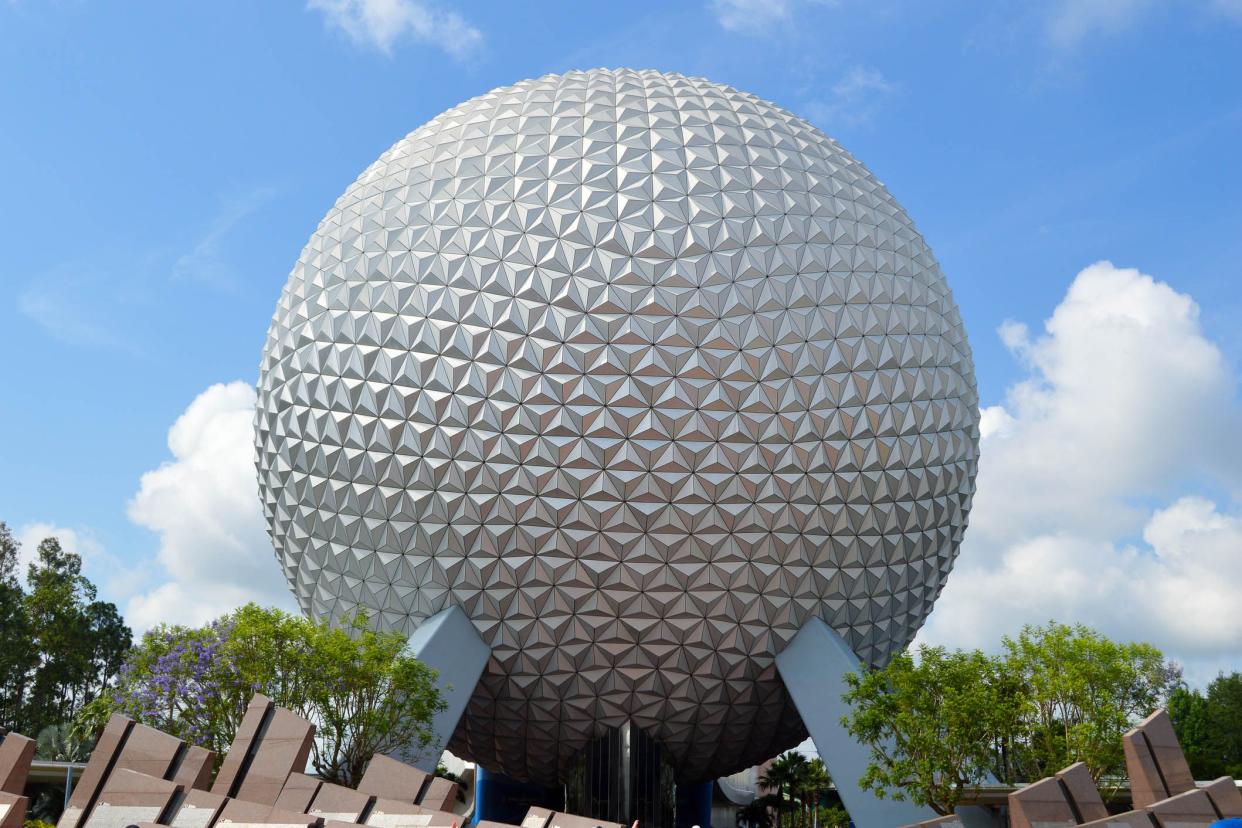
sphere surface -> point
(639, 371)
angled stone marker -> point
(1130, 819)
(128, 797)
(1042, 804)
(103, 757)
(299, 792)
(127, 745)
(241, 751)
(340, 804)
(392, 813)
(16, 754)
(392, 779)
(1185, 810)
(271, 743)
(439, 795)
(199, 809)
(537, 818)
(1081, 792)
(194, 769)
(238, 813)
(1225, 796)
(12, 810)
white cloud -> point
(758, 16)
(379, 24)
(852, 100)
(1073, 21)
(1126, 403)
(66, 303)
(749, 15)
(204, 505)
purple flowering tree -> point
(363, 690)
(183, 681)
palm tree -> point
(812, 783)
(781, 778)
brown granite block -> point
(284, 747)
(391, 779)
(487, 823)
(1186, 810)
(199, 809)
(439, 795)
(1162, 739)
(193, 772)
(560, 820)
(1225, 796)
(299, 792)
(128, 797)
(228, 778)
(537, 818)
(150, 751)
(336, 823)
(1042, 804)
(103, 758)
(16, 752)
(1080, 790)
(340, 804)
(950, 821)
(1146, 786)
(393, 813)
(1130, 819)
(240, 814)
(12, 810)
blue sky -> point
(165, 163)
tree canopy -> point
(362, 689)
(941, 723)
(62, 646)
(1209, 726)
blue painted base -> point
(501, 799)
(694, 805)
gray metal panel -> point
(641, 372)
(813, 668)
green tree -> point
(932, 723)
(781, 778)
(1224, 718)
(810, 785)
(80, 641)
(1189, 711)
(18, 656)
(1083, 691)
(362, 689)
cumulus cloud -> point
(204, 505)
(1083, 511)
(379, 24)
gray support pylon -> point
(448, 643)
(813, 668)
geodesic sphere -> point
(641, 372)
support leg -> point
(448, 643)
(813, 668)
